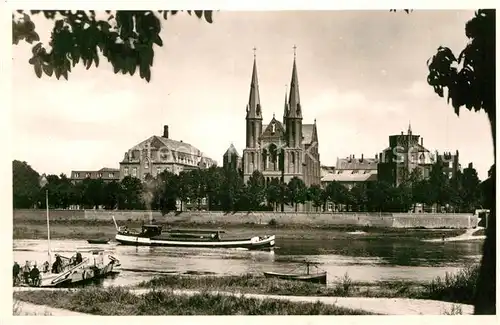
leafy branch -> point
(124, 38)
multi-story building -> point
(350, 171)
(159, 153)
(106, 174)
(406, 153)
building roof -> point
(294, 109)
(357, 163)
(253, 107)
(107, 169)
(173, 146)
(348, 176)
(231, 151)
(307, 133)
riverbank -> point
(120, 301)
(212, 295)
(85, 229)
(320, 219)
(470, 234)
(453, 287)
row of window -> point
(356, 171)
(99, 175)
(133, 170)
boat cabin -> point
(151, 230)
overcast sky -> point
(362, 75)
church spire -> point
(285, 111)
(294, 110)
(409, 127)
(253, 107)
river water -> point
(363, 259)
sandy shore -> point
(463, 237)
(385, 306)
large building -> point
(406, 152)
(280, 149)
(158, 153)
(350, 171)
(106, 174)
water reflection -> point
(362, 259)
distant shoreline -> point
(91, 229)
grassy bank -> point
(458, 288)
(480, 232)
(84, 229)
(118, 301)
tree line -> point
(219, 189)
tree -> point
(25, 185)
(230, 190)
(470, 82)
(132, 190)
(168, 192)
(380, 196)
(296, 192)
(255, 190)
(113, 195)
(273, 192)
(359, 197)
(316, 196)
(66, 191)
(214, 179)
(336, 192)
(470, 189)
(125, 38)
(439, 184)
(422, 193)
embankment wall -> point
(387, 220)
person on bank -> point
(35, 276)
(26, 272)
(58, 265)
(45, 267)
(16, 270)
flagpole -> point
(48, 223)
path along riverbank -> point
(384, 306)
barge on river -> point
(153, 235)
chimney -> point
(422, 142)
(376, 156)
(361, 157)
(165, 131)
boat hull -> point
(98, 241)
(312, 278)
(255, 243)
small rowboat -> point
(98, 241)
(319, 277)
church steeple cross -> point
(294, 51)
(254, 52)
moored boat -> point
(98, 241)
(73, 271)
(319, 277)
(153, 235)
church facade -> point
(280, 149)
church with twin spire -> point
(280, 149)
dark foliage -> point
(127, 39)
